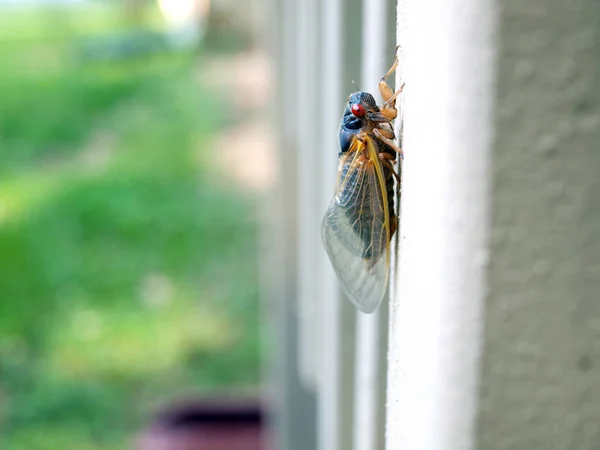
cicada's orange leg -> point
(386, 131)
(393, 226)
(389, 161)
(385, 90)
(388, 110)
(389, 142)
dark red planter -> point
(206, 426)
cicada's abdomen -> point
(389, 185)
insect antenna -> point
(355, 85)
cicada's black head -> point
(360, 105)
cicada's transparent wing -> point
(356, 231)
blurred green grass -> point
(126, 259)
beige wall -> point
(541, 365)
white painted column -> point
(308, 126)
(496, 313)
(329, 347)
(291, 401)
(371, 329)
(436, 316)
(335, 344)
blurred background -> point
(133, 152)
(164, 169)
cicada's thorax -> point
(359, 194)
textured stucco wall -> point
(540, 379)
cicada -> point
(360, 220)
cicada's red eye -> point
(358, 110)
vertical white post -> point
(309, 151)
(436, 313)
(521, 373)
(335, 344)
(291, 402)
(371, 332)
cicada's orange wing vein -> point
(356, 228)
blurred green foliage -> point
(127, 260)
